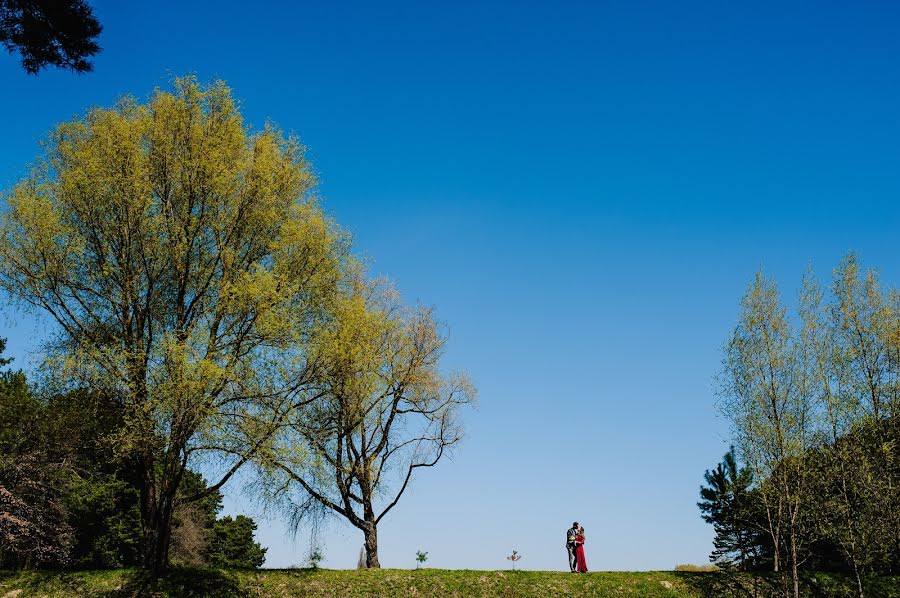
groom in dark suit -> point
(570, 545)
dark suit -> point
(570, 547)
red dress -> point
(580, 562)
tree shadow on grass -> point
(178, 582)
(722, 584)
(181, 583)
(36, 582)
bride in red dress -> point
(580, 562)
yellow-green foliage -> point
(173, 246)
(383, 409)
(186, 262)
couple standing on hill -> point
(575, 546)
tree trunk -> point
(371, 538)
(775, 533)
(157, 506)
(796, 575)
(158, 536)
(795, 557)
(851, 556)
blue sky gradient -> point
(583, 190)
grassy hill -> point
(196, 583)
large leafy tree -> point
(385, 411)
(60, 33)
(185, 261)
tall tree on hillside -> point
(864, 322)
(727, 504)
(60, 33)
(386, 412)
(841, 466)
(185, 261)
(766, 394)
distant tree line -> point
(813, 481)
(206, 311)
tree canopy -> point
(60, 33)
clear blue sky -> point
(583, 190)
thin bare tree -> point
(384, 412)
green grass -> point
(429, 583)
